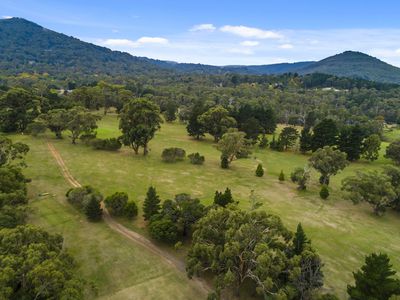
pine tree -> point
(93, 209)
(325, 134)
(305, 140)
(223, 199)
(300, 240)
(350, 142)
(324, 192)
(281, 176)
(374, 280)
(151, 205)
(259, 171)
(224, 162)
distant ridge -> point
(28, 47)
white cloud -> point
(203, 27)
(250, 43)
(250, 32)
(286, 46)
(125, 43)
(7, 17)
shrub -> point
(163, 229)
(281, 176)
(224, 162)
(92, 208)
(87, 138)
(324, 193)
(301, 177)
(130, 209)
(263, 143)
(111, 144)
(86, 199)
(116, 203)
(259, 171)
(223, 199)
(196, 158)
(173, 154)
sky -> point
(224, 32)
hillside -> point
(355, 64)
(28, 47)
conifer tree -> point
(281, 176)
(93, 211)
(259, 171)
(300, 240)
(151, 205)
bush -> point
(87, 138)
(281, 176)
(263, 143)
(223, 199)
(196, 158)
(173, 154)
(116, 203)
(163, 229)
(86, 199)
(324, 193)
(111, 144)
(224, 162)
(130, 210)
(92, 208)
(300, 176)
(259, 171)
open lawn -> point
(342, 232)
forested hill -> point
(355, 64)
(28, 47)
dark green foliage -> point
(163, 229)
(371, 146)
(287, 138)
(217, 121)
(35, 128)
(116, 203)
(235, 247)
(12, 216)
(223, 199)
(300, 240)
(224, 162)
(324, 192)
(263, 142)
(81, 122)
(324, 134)
(139, 121)
(374, 280)
(86, 199)
(371, 187)
(393, 151)
(34, 265)
(327, 297)
(281, 176)
(305, 140)
(57, 120)
(171, 109)
(260, 170)
(276, 144)
(194, 127)
(92, 209)
(172, 155)
(394, 174)
(18, 108)
(350, 141)
(301, 176)
(196, 158)
(111, 144)
(130, 209)
(151, 204)
(252, 128)
(12, 153)
(328, 161)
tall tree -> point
(324, 134)
(300, 240)
(305, 140)
(57, 120)
(350, 141)
(328, 161)
(139, 121)
(288, 137)
(217, 121)
(81, 121)
(12, 153)
(194, 127)
(374, 280)
(92, 208)
(393, 151)
(371, 146)
(151, 204)
(231, 144)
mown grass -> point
(342, 232)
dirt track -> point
(127, 233)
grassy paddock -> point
(342, 232)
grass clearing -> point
(342, 232)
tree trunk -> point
(145, 151)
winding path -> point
(127, 233)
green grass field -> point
(342, 232)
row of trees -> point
(33, 262)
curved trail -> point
(127, 233)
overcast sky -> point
(224, 32)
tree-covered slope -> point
(28, 47)
(355, 64)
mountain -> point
(28, 47)
(355, 65)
